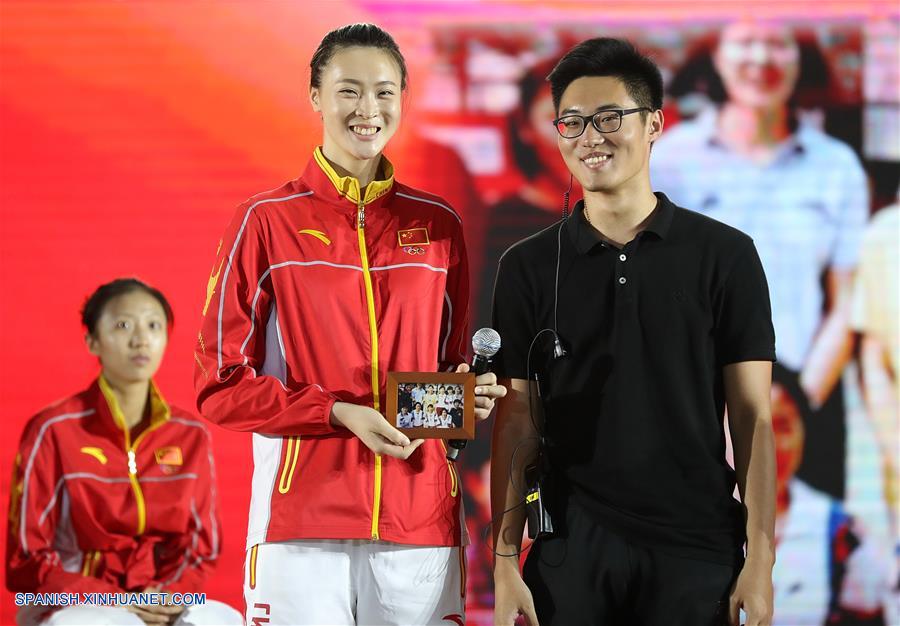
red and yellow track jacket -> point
(93, 510)
(316, 293)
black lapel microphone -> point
(485, 344)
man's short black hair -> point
(618, 58)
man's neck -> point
(132, 399)
(619, 217)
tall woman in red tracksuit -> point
(319, 288)
(114, 489)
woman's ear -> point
(314, 99)
(92, 344)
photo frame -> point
(432, 405)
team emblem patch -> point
(318, 234)
(97, 453)
(413, 237)
(169, 459)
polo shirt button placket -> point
(623, 280)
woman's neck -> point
(364, 171)
(748, 130)
(782, 499)
(132, 398)
(782, 510)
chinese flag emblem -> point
(169, 459)
(413, 237)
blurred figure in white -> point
(752, 162)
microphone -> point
(558, 350)
(485, 344)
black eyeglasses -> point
(605, 121)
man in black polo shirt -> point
(663, 317)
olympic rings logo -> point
(413, 251)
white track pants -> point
(340, 582)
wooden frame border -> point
(466, 431)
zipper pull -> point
(132, 463)
(361, 216)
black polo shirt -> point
(634, 411)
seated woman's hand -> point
(163, 614)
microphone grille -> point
(486, 342)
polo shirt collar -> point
(584, 237)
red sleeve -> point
(455, 318)
(188, 570)
(32, 563)
(232, 389)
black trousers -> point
(588, 575)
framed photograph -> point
(432, 405)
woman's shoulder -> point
(271, 199)
(67, 411)
(421, 200)
(180, 418)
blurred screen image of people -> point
(827, 570)
(751, 160)
(876, 316)
(538, 201)
(824, 105)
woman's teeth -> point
(371, 130)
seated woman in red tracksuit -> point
(320, 288)
(114, 490)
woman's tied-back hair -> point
(97, 301)
(349, 36)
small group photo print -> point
(432, 405)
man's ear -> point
(655, 127)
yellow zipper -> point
(132, 473)
(130, 451)
(373, 334)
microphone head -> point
(558, 350)
(486, 342)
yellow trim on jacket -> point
(159, 415)
(348, 186)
